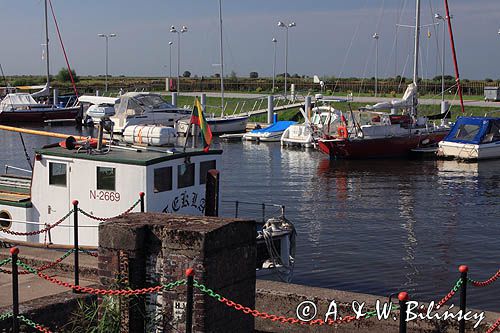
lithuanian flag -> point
(198, 118)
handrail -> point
(15, 168)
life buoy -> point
(342, 132)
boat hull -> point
(34, 115)
(388, 147)
(464, 151)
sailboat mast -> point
(221, 60)
(415, 57)
(47, 44)
(417, 42)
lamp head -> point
(274, 40)
(291, 25)
(101, 35)
(112, 35)
(499, 31)
(170, 43)
(172, 29)
(376, 36)
(438, 17)
(281, 24)
(184, 28)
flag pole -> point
(189, 128)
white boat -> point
(323, 121)
(472, 138)
(107, 181)
(143, 108)
(272, 133)
(98, 107)
(218, 125)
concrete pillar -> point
(444, 106)
(97, 92)
(270, 108)
(174, 98)
(307, 106)
(292, 91)
(204, 102)
(56, 97)
(147, 249)
(167, 84)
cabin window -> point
(57, 174)
(467, 132)
(4, 217)
(106, 178)
(163, 180)
(185, 175)
(204, 167)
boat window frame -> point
(100, 185)
(181, 182)
(54, 180)
(203, 175)
(171, 179)
(3, 223)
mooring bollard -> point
(15, 290)
(463, 296)
(403, 307)
(189, 299)
(141, 196)
(76, 247)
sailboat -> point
(369, 133)
(22, 107)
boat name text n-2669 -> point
(105, 195)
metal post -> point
(442, 62)
(178, 85)
(212, 193)
(174, 98)
(463, 297)
(55, 101)
(274, 40)
(15, 290)
(376, 37)
(263, 212)
(189, 300)
(403, 307)
(270, 108)
(141, 196)
(237, 204)
(76, 247)
(286, 60)
(106, 64)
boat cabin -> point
(106, 184)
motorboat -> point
(144, 108)
(272, 133)
(319, 121)
(97, 107)
(472, 138)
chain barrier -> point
(6, 315)
(103, 219)
(486, 282)
(43, 267)
(282, 319)
(34, 325)
(37, 232)
(450, 294)
(5, 262)
(494, 326)
(94, 291)
(90, 253)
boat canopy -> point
(475, 130)
(98, 100)
(16, 100)
(406, 102)
(136, 103)
(279, 126)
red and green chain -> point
(102, 219)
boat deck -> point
(15, 190)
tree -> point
(186, 74)
(233, 75)
(254, 75)
(63, 75)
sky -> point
(331, 37)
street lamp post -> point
(170, 59)
(286, 26)
(274, 40)
(107, 36)
(175, 31)
(376, 37)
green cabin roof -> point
(141, 156)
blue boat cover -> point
(469, 130)
(279, 126)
